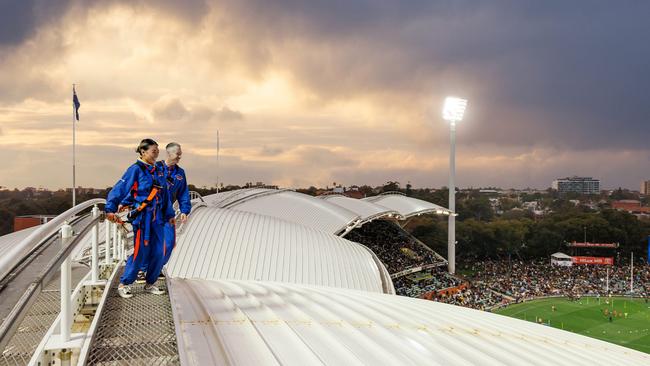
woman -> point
(142, 190)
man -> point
(178, 191)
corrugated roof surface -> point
(230, 244)
(289, 206)
(406, 206)
(224, 198)
(12, 249)
(262, 323)
(367, 210)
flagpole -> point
(74, 141)
(631, 271)
(217, 161)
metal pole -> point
(94, 253)
(74, 141)
(114, 227)
(451, 236)
(218, 161)
(107, 243)
(631, 271)
(120, 245)
(66, 236)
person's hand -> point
(183, 218)
(110, 217)
(172, 221)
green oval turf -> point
(587, 317)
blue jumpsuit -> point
(177, 187)
(148, 227)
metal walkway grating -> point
(135, 331)
(32, 329)
(36, 322)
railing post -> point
(119, 245)
(94, 253)
(107, 243)
(114, 227)
(66, 311)
(123, 246)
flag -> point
(76, 103)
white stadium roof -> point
(368, 211)
(254, 280)
(229, 244)
(13, 249)
(406, 206)
(289, 206)
(264, 323)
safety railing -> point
(196, 195)
(9, 260)
(59, 343)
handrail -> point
(40, 234)
(12, 321)
(194, 195)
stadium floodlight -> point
(452, 112)
(454, 109)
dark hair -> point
(145, 145)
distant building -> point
(632, 206)
(645, 188)
(582, 185)
(27, 221)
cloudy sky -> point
(310, 93)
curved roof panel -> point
(406, 206)
(13, 249)
(367, 210)
(289, 206)
(222, 199)
(262, 323)
(229, 244)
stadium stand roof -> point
(249, 289)
(366, 210)
(289, 206)
(229, 244)
(406, 206)
(13, 249)
(264, 323)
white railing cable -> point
(60, 261)
(14, 318)
(39, 235)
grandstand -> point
(264, 277)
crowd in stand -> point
(419, 283)
(395, 248)
(476, 296)
(528, 279)
(446, 288)
(493, 282)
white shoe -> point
(124, 291)
(153, 290)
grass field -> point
(587, 317)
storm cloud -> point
(556, 88)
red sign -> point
(593, 260)
(593, 245)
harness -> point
(142, 233)
(134, 213)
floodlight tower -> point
(452, 112)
